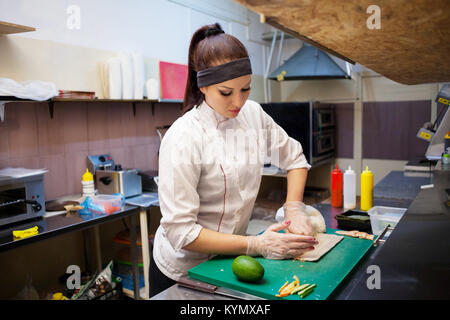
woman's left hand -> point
(295, 211)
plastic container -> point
(349, 189)
(87, 183)
(337, 182)
(106, 204)
(380, 217)
(366, 189)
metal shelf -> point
(8, 99)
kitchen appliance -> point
(310, 123)
(435, 133)
(21, 198)
(309, 63)
(110, 178)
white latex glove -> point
(316, 218)
(274, 245)
(295, 211)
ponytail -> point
(209, 46)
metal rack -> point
(8, 99)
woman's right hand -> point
(274, 245)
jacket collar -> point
(210, 115)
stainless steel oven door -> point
(324, 118)
(323, 143)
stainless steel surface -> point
(236, 294)
(110, 178)
(177, 292)
(325, 117)
(323, 143)
(321, 133)
(380, 237)
(212, 289)
(126, 182)
(308, 63)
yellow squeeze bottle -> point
(88, 184)
(366, 189)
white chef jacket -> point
(210, 170)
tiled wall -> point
(30, 138)
(344, 130)
(389, 129)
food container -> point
(106, 203)
(380, 217)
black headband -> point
(227, 71)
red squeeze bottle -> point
(337, 186)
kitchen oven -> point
(310, 123)
(21, 198)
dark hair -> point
(210, 46)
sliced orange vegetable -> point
(297, 280)
(283, 294)
(283, 286)
(289, 288)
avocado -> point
(247, 269)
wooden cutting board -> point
(327, 272)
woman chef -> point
(208, 176)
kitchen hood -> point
(309, 63)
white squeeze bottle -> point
(349, 189)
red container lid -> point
(336, 170)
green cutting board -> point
(326, 273)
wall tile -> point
(25, 162)
(30, 139)
(128, 123)
(22, 130)
(114, 123)
(4, 163)
(144, 123)
(121, 156)
(390, 129)
(141, 156)
(166, 114)
(344, 130)
(153, 156)
(55, 180)
(4, 140)
(97, 127)
(50, 131)
(74, 126)
(76, 165)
